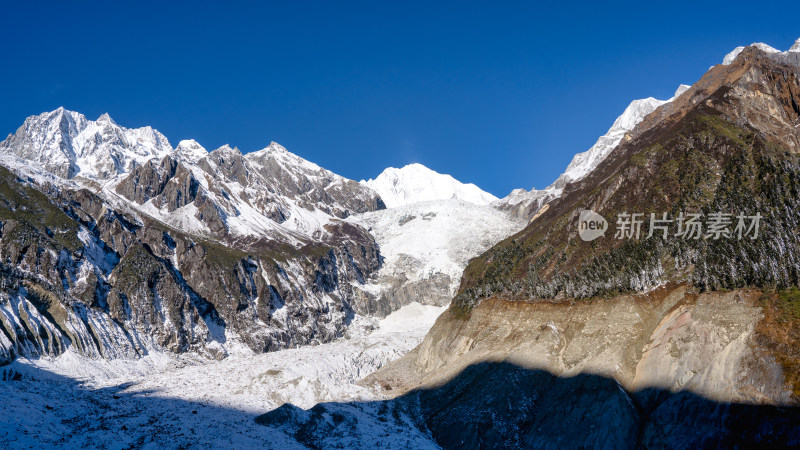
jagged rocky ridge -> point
(114, 244)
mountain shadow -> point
(41, 409)
(502, 405)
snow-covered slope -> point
(417, 183)
(525, 203)
(266, 249)
(250, 193)
(191, 151)
(583, 163)
(248, 249)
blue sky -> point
(501, 96)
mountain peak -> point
(106, 118)
(59, 113)
(66, 144)
(226, 148)
(415, 183)
(190, 150)
(681, 89)
(583, 163)
(275, 146)
(272, 149)
(796, 46)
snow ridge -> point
(728, 59)
(584, 163)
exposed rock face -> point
(641, 341)
(168, 182)
(189, 250)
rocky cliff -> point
(80, 273)
(671, 368)
(113, 244)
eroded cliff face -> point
(671, 338)
(672, 367)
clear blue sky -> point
(502, 96)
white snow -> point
(163, 400)
(728, 59)
(102, 148)
(191, 151)
(417, 183)
(423, 239)
(583, 163)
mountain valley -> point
(254, 299)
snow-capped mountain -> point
(526, 203)
(271, 182)
(257, 251)
(417, 183)
(144, 264)
(238, 251)
(583, 163)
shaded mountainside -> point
(503, 405)
(727, 145)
